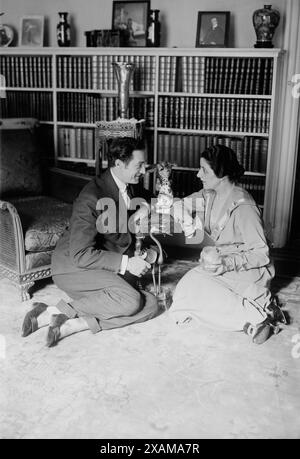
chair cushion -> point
(38, 259)
(43, 219)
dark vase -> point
(153, 38)
(63, 30)
(265, 22)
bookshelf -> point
(190, 99)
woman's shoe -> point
(259, 333)
(275, 313)
(53, 335)
(30, 323)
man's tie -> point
(126, 197)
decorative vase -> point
(265, 21)
(153, 39)
(63, 30)
(123, 72)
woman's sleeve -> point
(254, 252)
(184, 211)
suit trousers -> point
(105, 299)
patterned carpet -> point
(151, 380)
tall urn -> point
(123, 72)
(265, 21)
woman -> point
(229, 289)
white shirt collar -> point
(121, 185)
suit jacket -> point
(82, 247)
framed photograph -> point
(32, 31)
(213, 29)
(132, 19)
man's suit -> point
(86, 263)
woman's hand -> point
(216, 270)
(212, 261)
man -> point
(215, 35)
(94, 261)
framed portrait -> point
(31, 31)
(132, 19)
(212, 29)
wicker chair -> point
(30, 223)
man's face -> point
(132, 171)
(214, 22)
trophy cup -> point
(122, 126)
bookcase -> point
(189, 98)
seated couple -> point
(99, 271)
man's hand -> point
(138, 266)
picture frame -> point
(131, 17)
(212, 29)
(31, 31)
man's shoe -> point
(53, 335)
(259, 333)
(30, 323)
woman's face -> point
(207, 176)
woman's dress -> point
(241, 294)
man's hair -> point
(122, 148)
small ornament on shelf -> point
(6, 34)
(265, 21)
(63, 30)
(153, 37)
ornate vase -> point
(265, 21)
(123, 72)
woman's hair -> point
(223, 162)
(122, 148)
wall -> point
(179, 18)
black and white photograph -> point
(149, 224)
(213, 28)
(132, 18)
(32, 31)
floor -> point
(150, 380)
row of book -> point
(80, 143)
(184, 150)
(168, 76)
(76, 143)
(88, 108)
(217, 114)
(27, 71)
(226, 75)
(255, 186)
(96, 72)
(185, 183)
(147, 181)
(191, 74)
(180, 150)
(22, 104)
